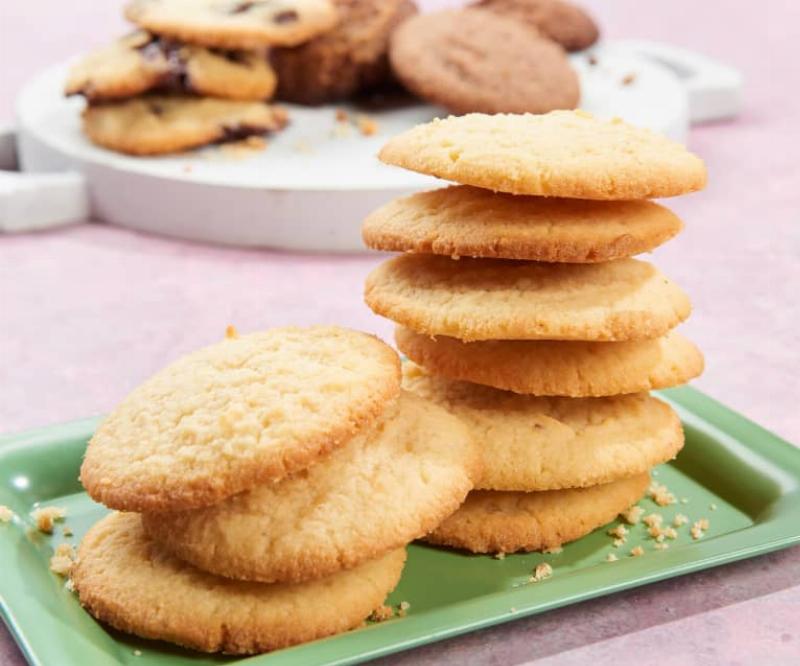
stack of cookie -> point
(271, 482)
(523, 313)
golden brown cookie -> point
(125, 580)
(558, 368)
(507, 522)
(530, 443)
(490, 299)
(559, 154)
(464, 221)
(242, 412)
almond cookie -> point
(558, 368)
(464, 60)
(464, 221)
(234, 24)
(507, 522)
(242, 412)
(385, 488)
(563, 22)
(156, 125)
(126, 581)
(140, 62)
(530, 443)
(492, 299)
(560, 154)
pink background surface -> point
(88, 312)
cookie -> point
(563, 22)
(140, 62)
(530, 443)
(126, 581)
(156, 124)
(242, 412)
(507, 522)
(560, 154)
(558, 368)
(349, 59)
(492, 299)
(385, 488)
(464, 221)
(234, 24)
(467, 61)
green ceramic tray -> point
(745, 480)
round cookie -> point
(234, 24)
(140, 62)
(529, 443)
(464, 221)
(490, 299)
(161, 124)
(126, 581)
(558, 368)
(242, 412)
(507, 522)
(560, 154)
(464, 60)
(350, 58)
(563, 22)
(385, 488)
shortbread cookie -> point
(506, 522)
(125, 580)
(558, 368)
(560, 154)
(155, 125)
(531, 443)
(234, 24)
(140, 62)
(561, 21)
(464, 221)
(465, 61)
(385, 488)
(490, 299)
(350, 58)
(245, 411)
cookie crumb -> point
(46, 516)
(699, 528)
(680, 519)
(703, 523)
(637, 552)
(366, 125)
(684, 500)
(592, 59)
(618, 542)
(659, 493)
(403, 608)
(381, 614)
(230, 332)
(712, 506)
(61, 562)
(633, 515)
(66, 531)
(499, 556)
(137, 653)
(69, 586)
(6, 514)
(342, 116)
(653, 520)
(553, 551)
(628, 79)
(543, 570)
(611, 557)
(661, 546)
(619, 531)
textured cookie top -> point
(531, 443)
(234, 24)
(383, 489)
(128, 582)
(464, 221)
(487, 299)
(559, 154)
(245, 411)
(558, 368)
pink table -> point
(88, 312)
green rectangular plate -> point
(745, 480)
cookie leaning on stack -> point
(518, 298)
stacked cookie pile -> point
(270, 484)
(523, 313)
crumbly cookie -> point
(125, 580)
(350, 58)
(561, 21)
(559, 154)
(467, 60)
(558, 368)
(507, 522)
(530, 443)
(157, 125)
(385, 488)
(140, 62)
(234, 24)
(464, 221)
(492, 299)
(245, 411)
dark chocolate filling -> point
(240, 131)
(286, 16)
